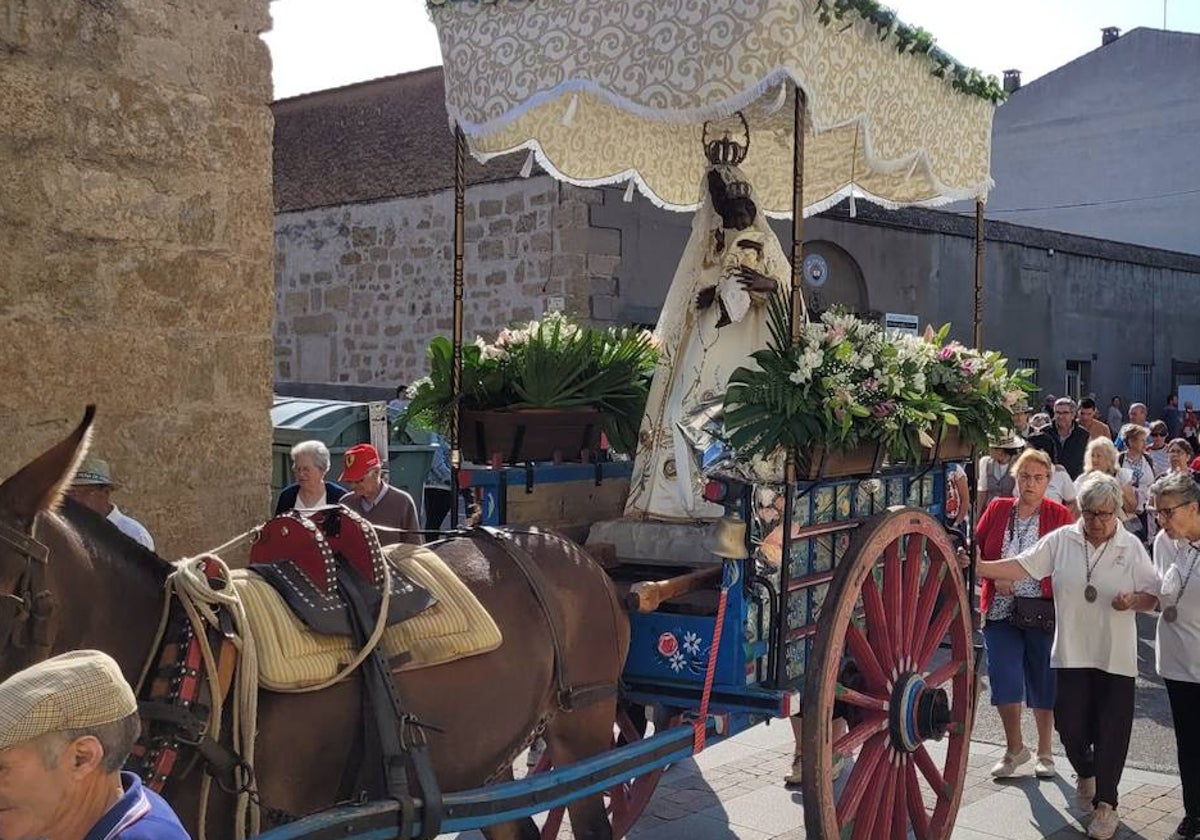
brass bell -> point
(728, 538)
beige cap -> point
(76, 690)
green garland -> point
(915, 40)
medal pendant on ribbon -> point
(1090, 594)
(1170, 614)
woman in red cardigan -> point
(1019, 658)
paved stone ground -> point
(733, 791)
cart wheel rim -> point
(897, 610)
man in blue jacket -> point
(66, 726)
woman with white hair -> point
(1101, 576)
(1176, 498)
(1101, 456)
(310, 463)
(1135, 459)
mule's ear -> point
(39, 485)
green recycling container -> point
(341, 425)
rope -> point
(202, 602)
(700, 726)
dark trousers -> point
(1185, 709)
(1094, 718)
(438, 501)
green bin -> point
(341, 425)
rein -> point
(26, 614)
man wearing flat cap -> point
(66, 726)
(92, 487)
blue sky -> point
(318, 44)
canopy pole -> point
(978, 322)
(797, 292)
(460, 201)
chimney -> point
(1012, 81)
(1109, 34)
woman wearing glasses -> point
(1135, 459)
(1018, 654)
(1102, 576)
(1176, 555)
(1157, 447)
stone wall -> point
(363, 288)
(135, 251)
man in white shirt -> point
(92, 487)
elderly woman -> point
(1156, 447)
(1018, 655)
(1179, 456)
(1141, 468)
(1101, 456)
(310, 463)
(1101, 576)
(1176, 500)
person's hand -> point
(1125, 601)
(753, 280)
(961, 555)
(1004, 587)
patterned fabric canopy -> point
(605, 91)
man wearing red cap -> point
(381, 503)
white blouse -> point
(1091, 634)
(1178, 641)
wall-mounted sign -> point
(897, 322)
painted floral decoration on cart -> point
(849, 383)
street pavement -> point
(733, 791)
(1152, 746)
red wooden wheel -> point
(626, 801)
(893, 649)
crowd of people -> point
(1080, 526)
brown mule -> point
(109, 593)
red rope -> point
(700, 726)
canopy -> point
(609, 91)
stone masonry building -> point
(135, 251)
(364, 233)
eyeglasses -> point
(1037, 478)
(1158, 434)
(1166, 513)
(1102, 515)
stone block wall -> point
(135, 250)
(363, 288)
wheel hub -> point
(917, 713)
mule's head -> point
(34, 489)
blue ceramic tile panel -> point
(823, 504)
(800, 558)
(816, 598)
(795, 659)
(823, 553)
(895, 491)
(845, 496)
(797, 612)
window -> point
(1032, 366)
(1078, 381)
(1139, 383)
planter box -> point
(529, 434)
(860, 461)
(953, 447)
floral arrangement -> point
(848, 383)
(551, 362)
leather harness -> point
(26, 614)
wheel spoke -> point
(860, 778)
(857, 698)
(860, 734)
(900, 802)
(926, 604)
(914, 551)
(917, 815)
(892, 589)
(929, 770)
(944, 673)
(864, 826)
(868, 664)
(937, 631)
(887, 801)
(877, 629)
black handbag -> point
(1033, 613)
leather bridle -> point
(27, 612)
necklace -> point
(1171, 613)
(1089, 592)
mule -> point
(109, 592)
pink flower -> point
(946, 353)
(884, 408)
